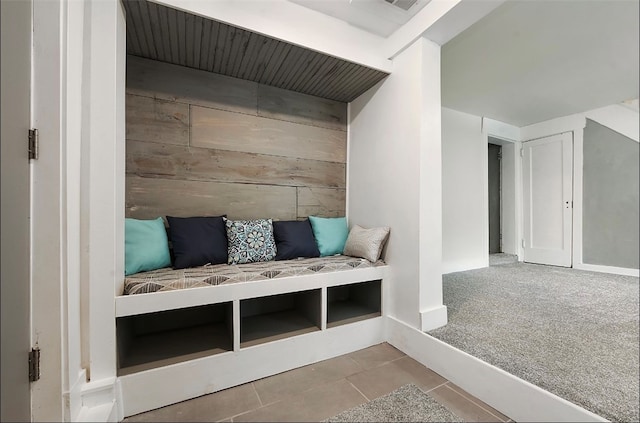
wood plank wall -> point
(202, 144)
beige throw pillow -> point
(366, 243)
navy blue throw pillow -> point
(198, 241)
(294, 239)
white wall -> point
(464, 157)
(390, 137)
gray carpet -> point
(406, 404)
(573, 333)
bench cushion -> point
(168, 279)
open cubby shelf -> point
(353, 302)
(266, 319)
(151, 340)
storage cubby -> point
(153, 340)
(353, 302)
(266, 319)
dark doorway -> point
(495, 241)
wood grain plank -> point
(291, 106)
(138, 28)
(299, 69)
(249, 57)
(182, 35)
(274, 62)
(172, 28)
(148, 198)
(221, 47)
(133, 46)
(215, 29)
(189, 29)
(204, 43)
(163, 18)
(146, 23)
(149, 119)
(219, 129)
(313, 66)
(197, 34)
(324, 202)
(156, 30)
(150, 159)
(243, 53)
(267, 48)
(178, 83)
(326, 70)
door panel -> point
(15, 85)
(547, 178)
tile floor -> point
(322, 390)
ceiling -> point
(376, 16)
(530, 61)
(165, 34)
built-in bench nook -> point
(202, 142)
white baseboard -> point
(608, 269)
(99, 401)
(462, 267)
(433, 318)
(512, 396)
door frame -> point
(496, 132)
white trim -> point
(73, 397)
(485, 195)
(101, 413)
(608, 269)
(452, 267)
(578, 155)
(346, 169)
(497, 129)
(618, 118)
(433, 318)
(408, 33)
(517, 398)
(48, 204)
(553, 127)
(99, 401)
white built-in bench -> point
(196, 331)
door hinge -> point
(522, 152)
(33, 144)
(523, 243)
(34, 364)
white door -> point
(15, 75)
(548, 201)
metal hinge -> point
(523, 243)
(34, 364)
(33, 144)
(522, 152)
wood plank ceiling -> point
(162, 33)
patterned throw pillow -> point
(366, 243)
(250, 241)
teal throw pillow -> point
(145, 246)
(331, 234)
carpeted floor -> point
(571, 332)
(406, 404)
